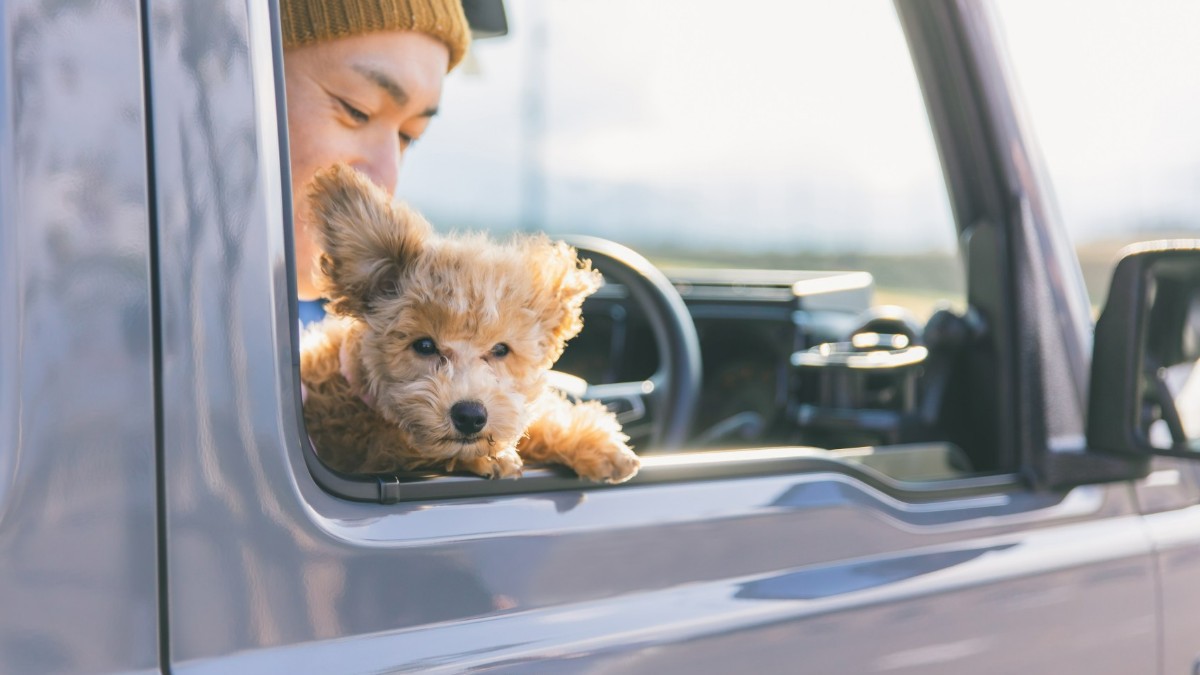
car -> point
(829, 483)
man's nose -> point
(381, 164)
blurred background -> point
(792, 135)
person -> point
(363, 79)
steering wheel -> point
(664, 404)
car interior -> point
(789, 358)
(839, 318)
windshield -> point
(761, 135)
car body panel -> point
(259, 569)
(78, 556)
(1170, 498)
(792, 569)
(266, 569)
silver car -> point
(828, 487)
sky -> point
(795, 124)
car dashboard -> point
(778, 350)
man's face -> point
(362, 101)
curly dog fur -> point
(425, 327)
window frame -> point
(656, 468)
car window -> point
(701, 138)
(781, 173)
(1112, 94)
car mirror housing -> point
(1145, 387)
(486, 18)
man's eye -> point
(355, 114)
(500, 350)
(425, 347)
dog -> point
(436, 350)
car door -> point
(779, 560)
(1169, 498)
(78, 508)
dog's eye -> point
(425, 347)
(500, 350)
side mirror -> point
(1145, 390)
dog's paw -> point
(507, 464)
(504, 464)
(614, 463)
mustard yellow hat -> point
(308, 21)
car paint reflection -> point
(823, 582)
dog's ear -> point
(366, 241)
(566, 281)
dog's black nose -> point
(468, 416)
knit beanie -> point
(308, 21)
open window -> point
(785, 190)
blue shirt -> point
(311, 311)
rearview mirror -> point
(1145, 391)
(486, 18)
